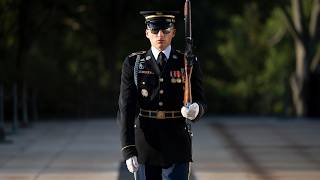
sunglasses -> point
(156, 30)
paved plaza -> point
(224, 148)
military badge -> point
(141, 66)
(173, 76)
(175, 57)
(179, 77)
(148, 58)
(144, 93)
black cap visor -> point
(159, 24)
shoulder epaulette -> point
(137, 53)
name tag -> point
(145, 72)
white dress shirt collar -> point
(156, 52)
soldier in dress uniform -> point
(155, 138)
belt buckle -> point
(160, 115)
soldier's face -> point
(161, 39)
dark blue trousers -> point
(174, 172)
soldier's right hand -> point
(190, 112)
(132, 164)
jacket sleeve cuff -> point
(201, 112)
(129, 151)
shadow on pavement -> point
(231, 141)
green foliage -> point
(258, 58)
(73, 52)
(8, 39)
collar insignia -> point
(175, 57)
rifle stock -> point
(188, 55)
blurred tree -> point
(304, 26)
(257, 71)
(8, 39)
(72, 51)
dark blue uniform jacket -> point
(159, 142)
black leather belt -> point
(160, 114)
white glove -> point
(191, 112)
(132, 164)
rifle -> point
(188, 55)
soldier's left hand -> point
(191, 112)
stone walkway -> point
(224, 149)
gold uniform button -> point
(161, 79)
(160, 103)
(143, 83)
(161, 91)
